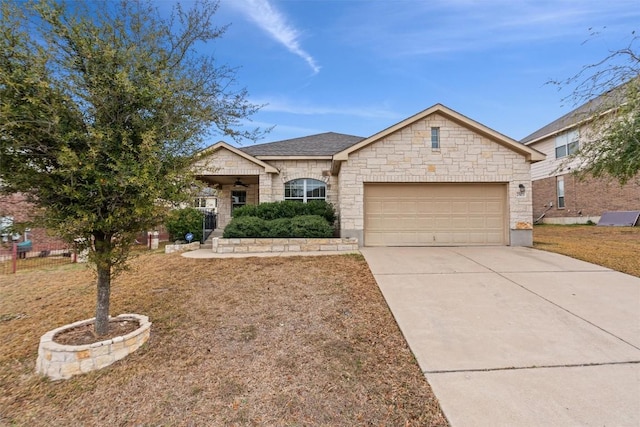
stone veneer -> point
(169, 249)
(464, 156)
(59, 361)
(237, 246)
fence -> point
(25, 256)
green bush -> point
(310, 226)
(245, 226)
(246, 210)
(323, 209)
(287, 209)
(182, 221)
(306, 226)
(279, 228)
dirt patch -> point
(612, 247)
(81, 335)
(237, 342)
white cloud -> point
(275, 23)
(470, 25)
(279, 105)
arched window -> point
(305, 189)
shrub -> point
(182, 221)
(323, 209)
(310, 226)
(306, 226)
(288, 209)
(246, 210)
(245, 226)
(279, 228)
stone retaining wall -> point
(169, 249)
(230, 246)
(58, 361)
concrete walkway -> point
(515, 336)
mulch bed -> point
(81, 335)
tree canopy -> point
(102, 106)
(610, 90)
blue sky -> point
(359, 66)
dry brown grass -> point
(613, 247)
(256, 341)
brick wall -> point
(17, 207)
(584, 198)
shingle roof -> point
(323, 144)
(603, 102)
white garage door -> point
(435, 214)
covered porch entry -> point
(232, 192)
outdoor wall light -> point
(521, 189)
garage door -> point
(435, 214)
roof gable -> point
(529, 153)
(221, 145)
(602, 104)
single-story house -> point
(559, 195)
(436, 178)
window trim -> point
(560, 193)
(435, 138)
(567, 143)
(305, 190)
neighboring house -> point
(436, 178)
(559, 196)
(15, 212)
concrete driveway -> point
(516, 336)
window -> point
(303, 190)
(238, 199)
(560, 191)
(200, 202)
(6, 222)
(566, 144)
(435, 138)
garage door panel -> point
(435, 214)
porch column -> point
(265, 193)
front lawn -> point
(255, 341)
(613, 247)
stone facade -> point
(468, 153)
(244, 246)
(406, 156)
(295, 169)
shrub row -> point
(305, 226)
(287, 209)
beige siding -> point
(550, 166)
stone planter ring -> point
(59, 361)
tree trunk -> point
(103, 267)
(102, 303)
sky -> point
(360, 66)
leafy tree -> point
(610, 90)
(102, 106)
